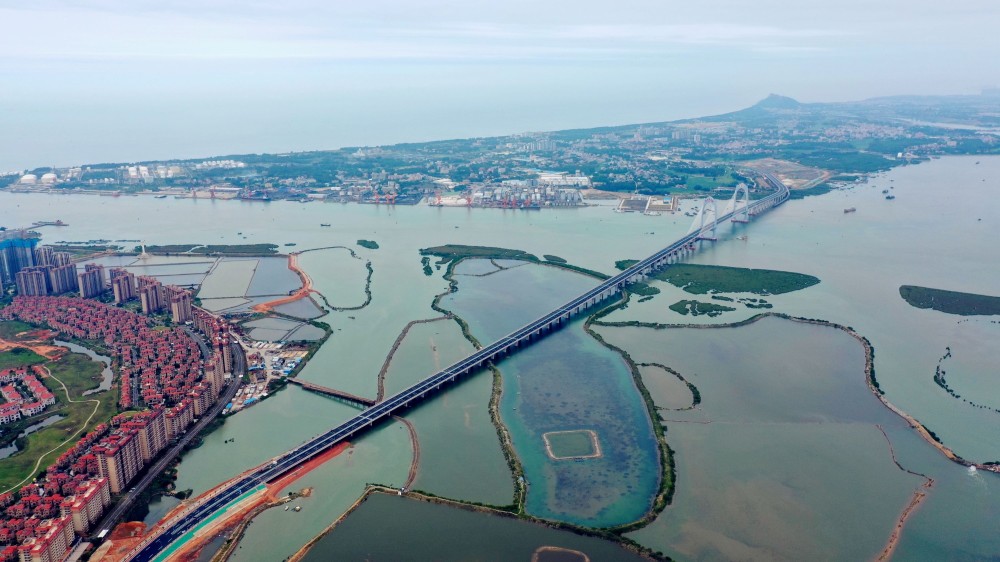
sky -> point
(93, 81)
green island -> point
(622, 265)
(370, 244)
(753, 303)
(703, 279)
(426, 263)
(950, 302)
(19, 357)
(214, 249)
(554, 259)
(451, 254)
(457, 252)
(697, 308)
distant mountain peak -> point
(774, 101)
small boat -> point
(297, 508)
(286, 508)
(890, 197)
(849, 210)
(160, 197)
(324, 224)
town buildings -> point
(91, 281)
(32, 281)
(122, 285)
(19, 405)
(17, 251)
(162, 373)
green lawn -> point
(702, 279)
(708, 183)
(19, 357)
(10, 329)
(79, 374)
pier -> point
(347, 397)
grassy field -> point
(708, 183)
(19, 357)
(702, 279)
(951, 302)
(79, 374)
(10, 329)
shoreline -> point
(918, 497)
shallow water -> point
(769, 465)
(460, 454)
(387, 527)
(861, 258)
(229, 278)
(12, 448)
(564, 382)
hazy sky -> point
(93, 80)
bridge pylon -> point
(741, 207)
(699, 221)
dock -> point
(334, 393)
